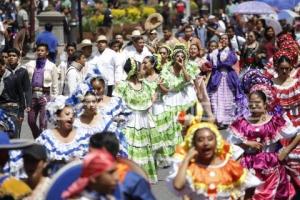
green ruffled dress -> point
(141, 133)
(162, 119)
(181, 97)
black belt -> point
(41, 89)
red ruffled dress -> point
(289, 99)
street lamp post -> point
(73, 22)
(188, 9)
(32, 20)
(80, 19)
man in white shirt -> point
(237, 42)
(74, 75)
(86, 46)
(138, 51)
(108, 63)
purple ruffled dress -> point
(265, 163)
(224, 88)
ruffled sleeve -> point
(167, 77)
(192, 69)
(135, 99)
(152, 84)
(237, 151)
(57, 150)
(227, 58)
(120, 89)
(267, 133)
(233, 180)
(289, 130)
(177, 83)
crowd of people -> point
(217, 103)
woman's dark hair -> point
(262, 21)
(128, 65)
(106, 140)
(98, 78)
(266, 32)
(76, 56)
(229, 43)
(261, 95)
(71, 44)
(60, 110)
(283, 59)
(254, 33)
(195, 134)
(90, 93)
(153, 62)
(210, 42)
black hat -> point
(36, 151)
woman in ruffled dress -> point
(150, 73)
(224, 85)
(177, 81)
(113, 109)
(285, 42)
(92, 118)
(165, 52)
(63, 142)
(259, 135)
(141, 133)
(287, 91)
(179, 94)
(203, 167)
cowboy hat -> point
(153, 21)
(102, 38)
(6, 143)
(136, 34)
(85, 43)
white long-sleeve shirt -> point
(109, 64)
(130, 52)
(73, 79)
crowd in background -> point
(216, 101)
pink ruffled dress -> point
(265, 163)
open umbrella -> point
(274, 24)
(281, 4)
(253, 7)
(288, 15)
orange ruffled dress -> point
(227, 180)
